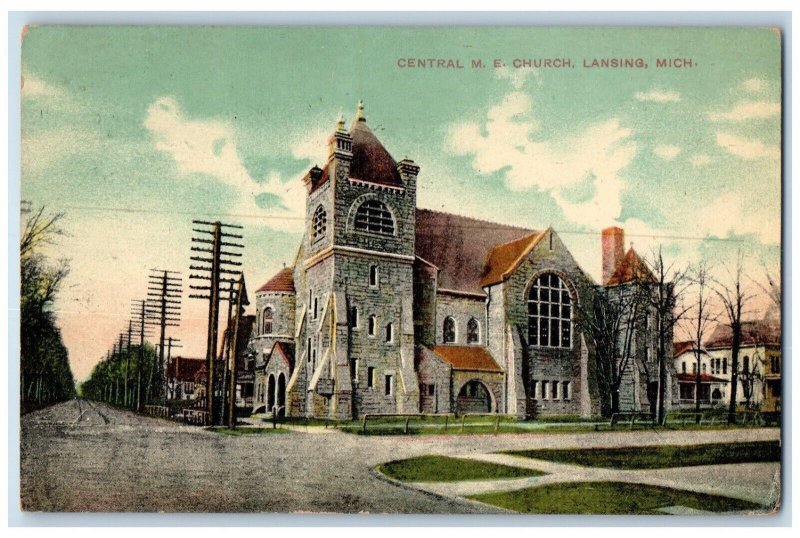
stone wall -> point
(461, 309)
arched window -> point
(473, 335)
(373, 216)
(266, 321)
(449, 330)
(550, 312)
(319, 224)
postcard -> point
(405, 270)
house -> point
(181, 374)
(391, 308)
(759, 368)
(712, 374)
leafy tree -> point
(45, 372)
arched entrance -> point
(281, 399)
(474, 397)
(270, 392)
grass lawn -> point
(444, 469)
(657, 457)
(608, 498)
(248, 431)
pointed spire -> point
(360, 113)
(340, 123)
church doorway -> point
(270, 392)
(281, 398)
(474, 397)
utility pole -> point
(139, 323)
(163, 310)
(127, 363)
(212, 254)
(241, 300)
(172, 343)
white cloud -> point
(748, 110)
(208, 147)
(311, 145)
(658, 96)
(754, 85)
(701, 159)
(34, 87)
(744, 148)
(732, 213)
(517, 76)
(667, 152)
(590, 160)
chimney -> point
(613, 245)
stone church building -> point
(389, 308)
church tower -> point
(356, 337)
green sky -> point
(174, 123)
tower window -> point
(266, 321)
(449, 330)
(389, 333)
(473, 336)
(388, 389)
(371, 325)
(373, 216)
(319, 224)
(373, 276)
(354, 316)
(550, 312)
(370, 377)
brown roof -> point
(757, 332)
(468, 358)
(371, 162)
(679, 348)
(459, 246)
(283, 281)
(631, 268)
(185, 368)
(504, 258)
(704, 378)
(286, 351)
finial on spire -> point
(360, 114)
(340, 122)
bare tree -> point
(39, 230)
(610, 321)
(664, 292)
(700, 315)
(734, 299)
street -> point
(86, 456)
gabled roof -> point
(371, 162)
(503, 259)
(282, 281)
(631, 268)
(459, 246)
(704, 378)
(185, 368)
(285, 351)
(685, 346)
(755, 332)
(473, 358)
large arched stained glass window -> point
(549, 313)
(373, 216)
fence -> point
(447, 420)
(157, 411)
(196, 417)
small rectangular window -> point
(389, 335)
(544, 390)
(725, 365)
(371, 325)
(431, 389)
(354, 316)
(534, 386)
(370, 377)
(316, 304)
(354, 370)
(554, 386)
(308, 349)
(565, 390)
(388, 388)
(373, 275)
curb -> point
(458, 500)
